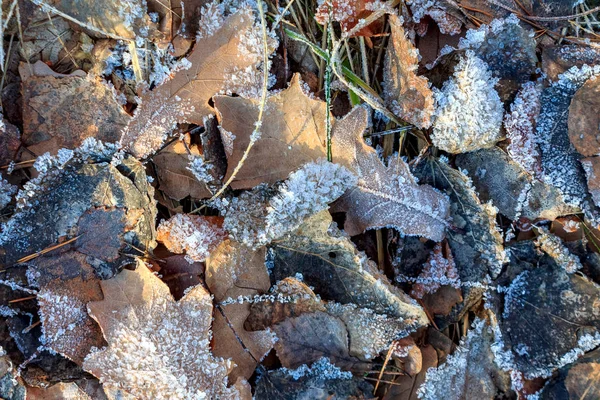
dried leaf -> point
(406, 386)
(186, 96)
(348, 13)
(234, 270)
(179, 274)
(515, 192)
(174, 177)
(292, 134)
(197, 235)
(60, 391)
(406, 94)
(558, 59)
(580, 380)
(10, 141)
(329, 261)
(384, 197)
(591, 166)
(62, 111)
(147, 330)
(584, 126)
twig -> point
(46, 250)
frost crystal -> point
(436, 9)
(439, 270)
(200, 169)
(554, 247)
(194, 234)
(469, 110)
(7, 191)
(321, 370)
(519, 124)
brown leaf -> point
(406, 94)
(384, 196)
(234, 270)
(580, 380)
(584, 126)
(185, 98)
(10, 141)
(558, 59)
(174, 177)
(406, 386)
(591, 166)
(60, 391)
(147, 330)
(292, 134)
(348, 13)
(264, 314)
(179, 274)
(60, 111)
(307, 338)
(197, 235)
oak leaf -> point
(185, 98)
(235, 270)
(147, 330)
(406, 94)
(292, 134)
(384, 196)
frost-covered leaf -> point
(292, 134)
(234, 270)
(439, 269)
(584, 125)
(321, 381)
(490, 43)
(384, 196)
(348, 13)
(580, 380)
(550, 318)
(147, 330)
(515, 192)
(172, 169)
(330, 263)
(196, 235)
(447, 18)
(66, 284)
(222, 51)
(470, 372)
(469, 111)
(10, 141)
(558, 59)
(474, 239)
(81, 193)
(60, 391)
(7, 191)
(560, 161)
(60, 111)
(258, 217)
(555, 248)
(11, 385)
(591, 166)
(519, 124)
(406, 94)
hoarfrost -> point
(7, 191)
(195, 235)
(554, 247)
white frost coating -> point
(475, 37)
(555, 248)
(7, 191)
(438, 270)
(200, 169)
(469, 111)
(321, 370)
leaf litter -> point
(191, 210)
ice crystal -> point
(438, 270)
(474, 38)
(436, 9)
(7, 191)
(560, 161)
(554, 247)
(200, 169)
(195, 235)
(469, 110)
(519, 124)
(321, 370)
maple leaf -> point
(185, 98)
(406, 94)
(234, 270)
(384, 196)
(147, 330)
(292, 134)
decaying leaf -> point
(580, 380)
(292, 134)
(10, 141)
(591, 166)
(172, 168)
(406, 94)
(329, 262)
(470, 372)
(147, 330)
(558, 59)
(60, 391)
(220, 52)
(515, 192)
(109, 207)
(584, 125)
(60, 111)
(349, 13)
(234, 270)
(11, 386)
(446, 17)
(384, 196)
(321, 381)
(197, 235)
(405, 386)
(439, 269)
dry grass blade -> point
(46, 250)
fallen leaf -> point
(448, 18)
(11, 385)
(233, 270)
(60, 391)
(292, 134)
(349, 13)
(330, 263)
(514, 191)
(179, 275)
(384, 197)
(580, 380)
(62, 111)
(406, 94)
(557, 59)
(147, 330)
(185, 97)
(197, 235)
(584, 126)
(174, 177)
(591, 166)
(10, 141)
(406, 386)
